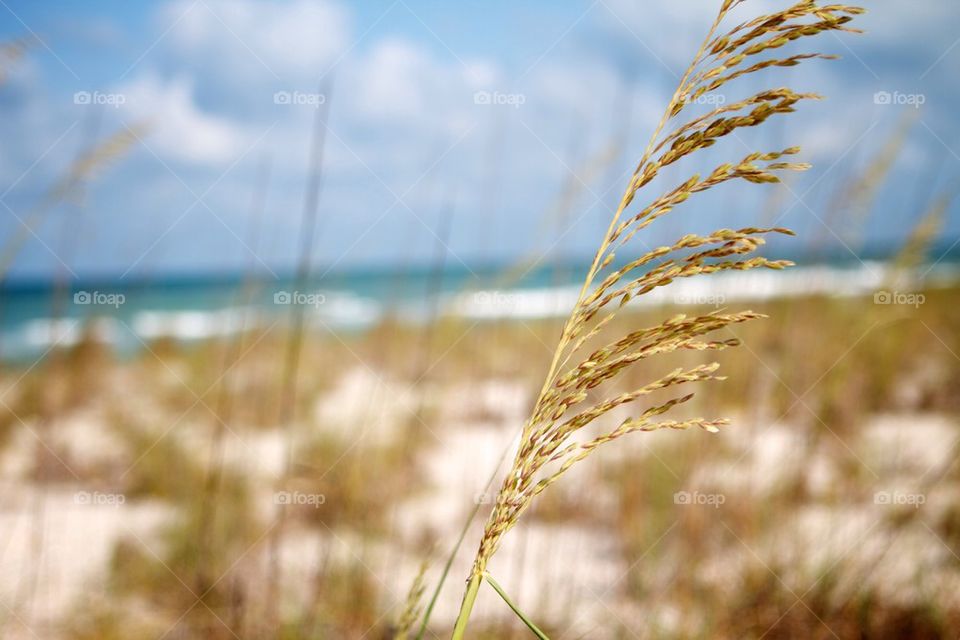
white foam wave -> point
(718, 289)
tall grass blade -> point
(456, 547)
(576, 390)
(520, 614)
(291, 357)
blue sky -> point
(406, 135)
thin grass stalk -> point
(559, 211)
(85, 167)
(466, 607)
(291, 361)
(225, 399)
(311, 625)
(491, 183)
(520, 614)
(473, 584)
(906, 264)
(549, 446)
(896, 524)
(58, 301)
(456, 547)
(432, 298)
(490, 193)
(411, 610)
(854, 198)
(624, 201)
(425, 348)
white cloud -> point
(394, 78)
(399, 101)
(294, 38)
(178, 127)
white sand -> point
(546, 568)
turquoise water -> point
(35, 316)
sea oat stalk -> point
(567, 404)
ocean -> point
(36, 316)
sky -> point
(519, 122)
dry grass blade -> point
(904, 270)
(11, 52)
(853, 202)
(573, 395)
(86, 168)
(413, 606)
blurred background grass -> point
(256, 442)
